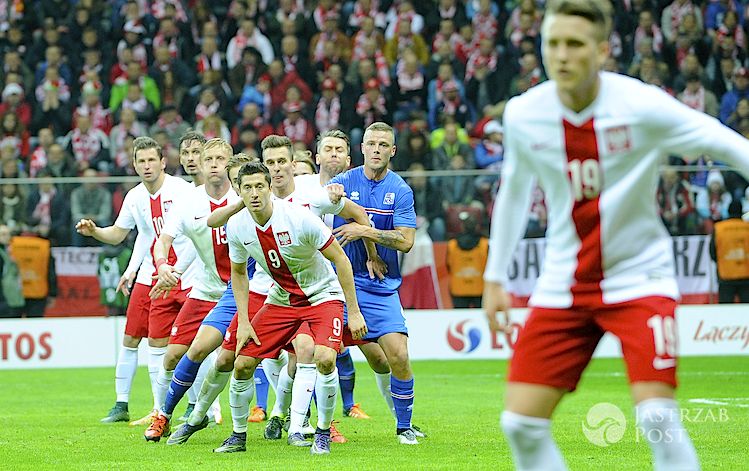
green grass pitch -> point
(50, 420)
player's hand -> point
(86, 227)
(126, 284)
(335, 192)
(160, 290)
(377, 267)
(496, 304)
(348, 233)
(356, 324)
(245, 333)
(168, 274)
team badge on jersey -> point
(618, 139)
(167, 205)
(354, 196)
(284, 238)
(389, 198)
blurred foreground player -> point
(594, 142)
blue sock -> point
(403, 399)
(184, 376)
(346, 378)
(261, 388)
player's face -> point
(333, 157)
(214, 165)
(378, 148)
(189, 156)
(255, 192)
(148, 165)
(572, 53)
(281, 166)
(234, 178)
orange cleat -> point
(257, 414)
(335, 435)
(356, 412)
(158, 428)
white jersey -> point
(308, 192)
(147, 213)
(599, 171)
(188, 217)
(288, 248)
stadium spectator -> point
(427, 200)
(88, 146)
(13, 101)
(248, 35)
(696, 96)
(466, 259)
(59, 163)
(11, 292)
(101, 117)
(712, 202)
(676, 204)
(13, 207)
(171, 123)
(89, 201)
(740, 90)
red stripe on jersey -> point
(279, 271)
(157, 219)
(586, 179)
(221, 247)
(327, 244)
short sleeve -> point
(126, 218)
(315, 231)
(320, 199)
(176, 219)
(238, 253)
(404, 214)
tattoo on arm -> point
(392, 239)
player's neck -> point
(375, 174)
(578, 100)
(155, 185)
(217, 190)
(285, 191)
(324, 178)
(262, 217)
(197, 179)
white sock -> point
(659, 422)
(163, 380)
(124, 372)
(383, 384)
(283, 394)
(155, 362)
(241, 392)
(206, 365)
(531, 443)
(301, 395)
(272, 369)
(326, 390)
(214, 382)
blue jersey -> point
(389, 203)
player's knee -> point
(326, 363)
(225, 361)
(170, 360)
(197, 353)
(379, 364)
(131, 342)
(400, 365)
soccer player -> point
(190, 148)
(389, 202)
(188, 218)
(145, 207)
(594, 142)
(292, 245)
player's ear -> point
(392, 151)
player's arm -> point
(136, 259)
(399, 238)
(241, 287)
(112, 235)
(335, 254)
(512, 204)
(166, 272)
(221, 216)
(375, 264)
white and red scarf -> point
(327, 114)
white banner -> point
(695, 272)
(433, 335)
(76, 261)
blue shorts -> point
(222, 313)
(382, 312)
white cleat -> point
(407, 437)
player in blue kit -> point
(389, 202)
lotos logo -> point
(463, 337)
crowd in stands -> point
(80, 79)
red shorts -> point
(556, 345)
(349, 341)
(256, 301)
(137, 311)
(188, 320)
(275, 326)
(303, 329)
(164, 312)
